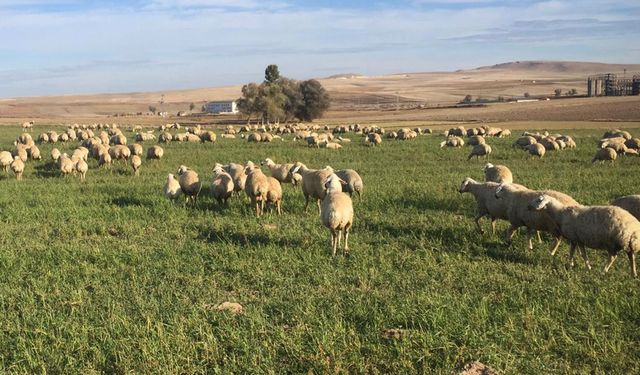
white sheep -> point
(82, 167)
(172, 188)
(256, 187)
(352, 181)
(190, 184)
(337, 213)
(605, 154)
(5, 160)
(238, 175)
(155, 152)
(313, 181)
(452, 142)
(486, 201)
(497, 173)
(274, 195)
(631, 203)
(519, 214)
(536, 149)
(17, 166)
(221, 185)
(136, 162)
(608, 228)
(278, 171)
(482, 149)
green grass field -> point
(109, 276)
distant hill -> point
(349, 91)
(562, 67)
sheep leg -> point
(632, 263)
(493, 227)
(477, 221)
(306, 202)
(319, 209)
(334, 241)
(278, 203)
(583, 252)
(539, 238)
(346, 241)
(510, 232)
(555, 245)
(572, 252)
(339, 237)
(612, 258)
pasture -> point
(109, 276)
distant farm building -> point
(610, 85)
(222, 106)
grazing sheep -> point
(497, 173)
(631, 203)
(119, 152)
(82, 167)
(165, 137)
(172, 188)
(278, 171)
(337, 213)
(190, 184)
(519, 214)
(352, 181)
(55, 154)
(208, 136)
(34, 153)
(21, 152)
(254, 137)
(136, 162)
(221, 185)
(104, 159)
(482, 149)
(312, 182)
(17, 166)
(524, 142)
(43, 138)
(274, 195)
(452, 142)
(66, 165)
(536, 149)
(608, 228)
(476, 140)
(118, 139)
(236, 171)
(373, 139)
(256, 187)
(486, 201)
(5, 160)
(136, 149)
(155, 152)
(605, 154)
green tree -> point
(315, 98)
(557, 92)
(192, 106)
(270, 102)
(294, 99)
(248, 103)
(152, 109)
(271, 74)
(467, 99)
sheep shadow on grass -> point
(213, 236)
(125, 201)
(47, 170)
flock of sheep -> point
(326, 186)
(612, 227)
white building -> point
(222, 106)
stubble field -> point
(109, 276)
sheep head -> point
(487, 166)
(464, 186)
(333, 184)
(539, 203)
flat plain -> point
(109, 276)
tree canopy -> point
(280, 98)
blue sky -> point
(73, 46)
